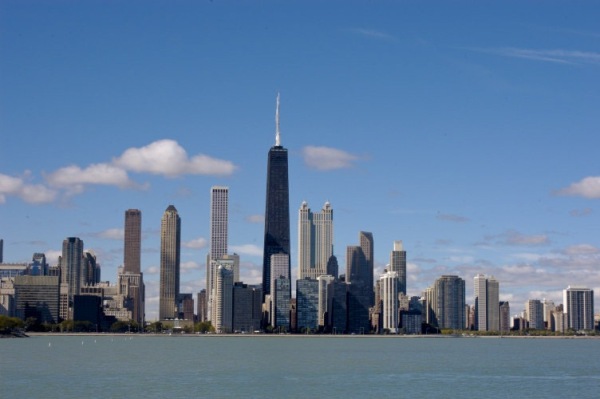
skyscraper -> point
(71, 265)
(389, 298)
(170, 244)
(398, 265)
(131, 280)
(579, 308)
(277, 211)
(219, 211)
(449, 302)
(1, 250)
(315, 241)
(366, 244)
(487, 303)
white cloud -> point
(513, 237)
(111, 234)
(52, 256)
(588, 187)
(255, 219)
(247, 249)
(196, 243)
(166, 157)
(581, 249)
(75, 177)
(327, 158)
(186, 267)
(31, 193)
(152, 270)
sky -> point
(468, 130)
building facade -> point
(449, 303)
(487, 303)
(389, 300)
(170, 247)
(277, 209)
(307, 304)
(315, 241)
(579, 308)
(398, 265)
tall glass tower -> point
(277, 212)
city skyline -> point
(467, 133)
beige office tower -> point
(315, 241)
(170, 246)
(487, 303)
(325, 297)
(223, 300)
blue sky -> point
(468, 130)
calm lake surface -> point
(287, 366)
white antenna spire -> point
(277, 133)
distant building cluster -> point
(354, 302)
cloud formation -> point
(255, 218)
(196, 243)
(167, 158)
(32, 193)
(514, 238)
(327, 158)
(247, 249)
(588, 187)
(558, 56)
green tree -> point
(204, 327)
(8, 324)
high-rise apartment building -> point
(448, 303)
(223, 300)
(170, 247)
(219, 216)
(504, 317)
(277, 210)
(535, 314)
(389, 283)
(1, 250)
(579, 308)
(398, 265)
(487, 303)
(72, 267)
(281, 304)
(315, 241)
(307, 304)
(366, 245)
(548, 309)
(325, 297)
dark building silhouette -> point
(277, 211)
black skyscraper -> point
(277, 212)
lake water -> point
(292, 367)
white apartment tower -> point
(487, 303)
(315, 241)
(389, 298)
(219, 205)
(223, 300)
(579, 308)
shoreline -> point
(311, 336)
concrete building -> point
(325, 296)
(534, 314)
(487, 303)
(315, 241)
(279, 264)
(223, 301)
(578, 305)
(219, 216)
(548, 309)
(201, 306)
(338, 309)
(170, 247)
(389, 283)
(307, 304)
(504, 317)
